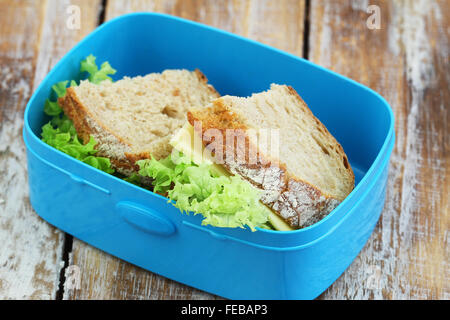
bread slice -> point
(134, 118)
(303, 173)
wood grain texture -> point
(279, 24)
(30, 248)
(276, 23)
(33, 36)
(406, 61)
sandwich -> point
(133, 118)
(262, 161)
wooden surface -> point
(406, 60)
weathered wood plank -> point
(29, 263)
(407, 62)
(279, 24)
(32, 39)
(30, 249)
(276, 23)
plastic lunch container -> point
(142, 228)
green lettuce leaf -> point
(223, 201)
(96, 75)
(52, 108)
(65, 139)
(60, 88)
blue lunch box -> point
(144, 229)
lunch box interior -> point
(142, 228)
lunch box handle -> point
(145, 218)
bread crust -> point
(298, 202)
(202, 78)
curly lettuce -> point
(223, 201)
(60, 132)
(96, 75)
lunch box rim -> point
(377, 164)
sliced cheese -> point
(185, 142)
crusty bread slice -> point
(134, 118)
(304, 175)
